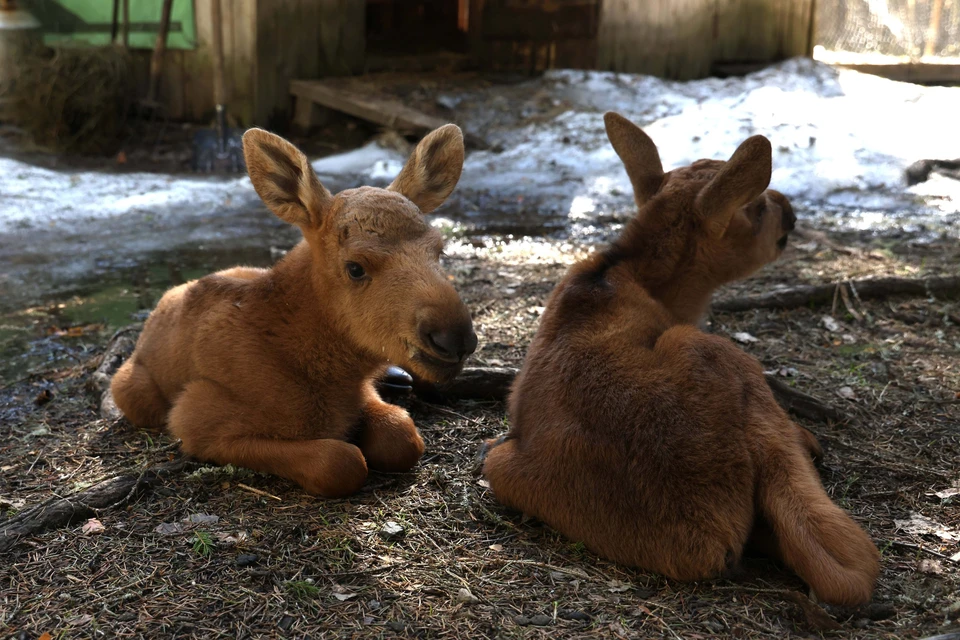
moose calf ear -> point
(742, 179)
(638, 153)
(433, 169)
(284, 179)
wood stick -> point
(823, 293)
(110, 493)
(493, 383)
(259, 492)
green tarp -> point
(90, 22)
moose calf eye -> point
(355, 271)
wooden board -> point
(919, 73)
(684, 39)
(534, 35)
(380, 109)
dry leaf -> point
(618, 587)
(343, 597)
(948, 493)
(932, 567)
(169, 528)
(202, 518)
(79, 620)
(846, 392)
(92, 527)
(921, 525)
(830, 324)
(10, 503)
(495, 547)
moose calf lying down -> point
(653, 443)
(273, 369)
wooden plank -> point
(571, 19)
(919, 73)
(240, 31)
(378, 109)
(683, 39)
(384, 111)
(667, 38)
(198, 68)
(304, 39)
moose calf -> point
(273, 369)
(653, 443)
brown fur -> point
(271, 369)
(655, 444)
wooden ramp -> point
(357, 98)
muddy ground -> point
(222, 552)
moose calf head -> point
(707, 223)
(375, 260)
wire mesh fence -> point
(912, 28)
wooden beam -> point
(917, 72)
(378, 109)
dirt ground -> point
(222, 552)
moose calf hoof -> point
(484, 450)
(395, 382)
(340, 475)
(390, 441)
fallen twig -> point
(259, 492)
(107, 494)
(481, 383)
(493, 383)
(802, 404)
(802, 296)
(920, 547)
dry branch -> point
(110, 493)
(823, 293)
(493, 383)
(481, 383)
(802, 404)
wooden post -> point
(933, 33)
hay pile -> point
(75, 100)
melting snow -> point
(841, 139)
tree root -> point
(107, 494)
(493, 383)
(803, 296)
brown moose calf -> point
(653, 443)
(272, 369)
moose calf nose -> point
(452, 344)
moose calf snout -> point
(449, 343)
(789, 218)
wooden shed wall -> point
(684, 39)
(266, 43)
(186, 85)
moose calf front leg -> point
(215, 426)
(388, 439)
